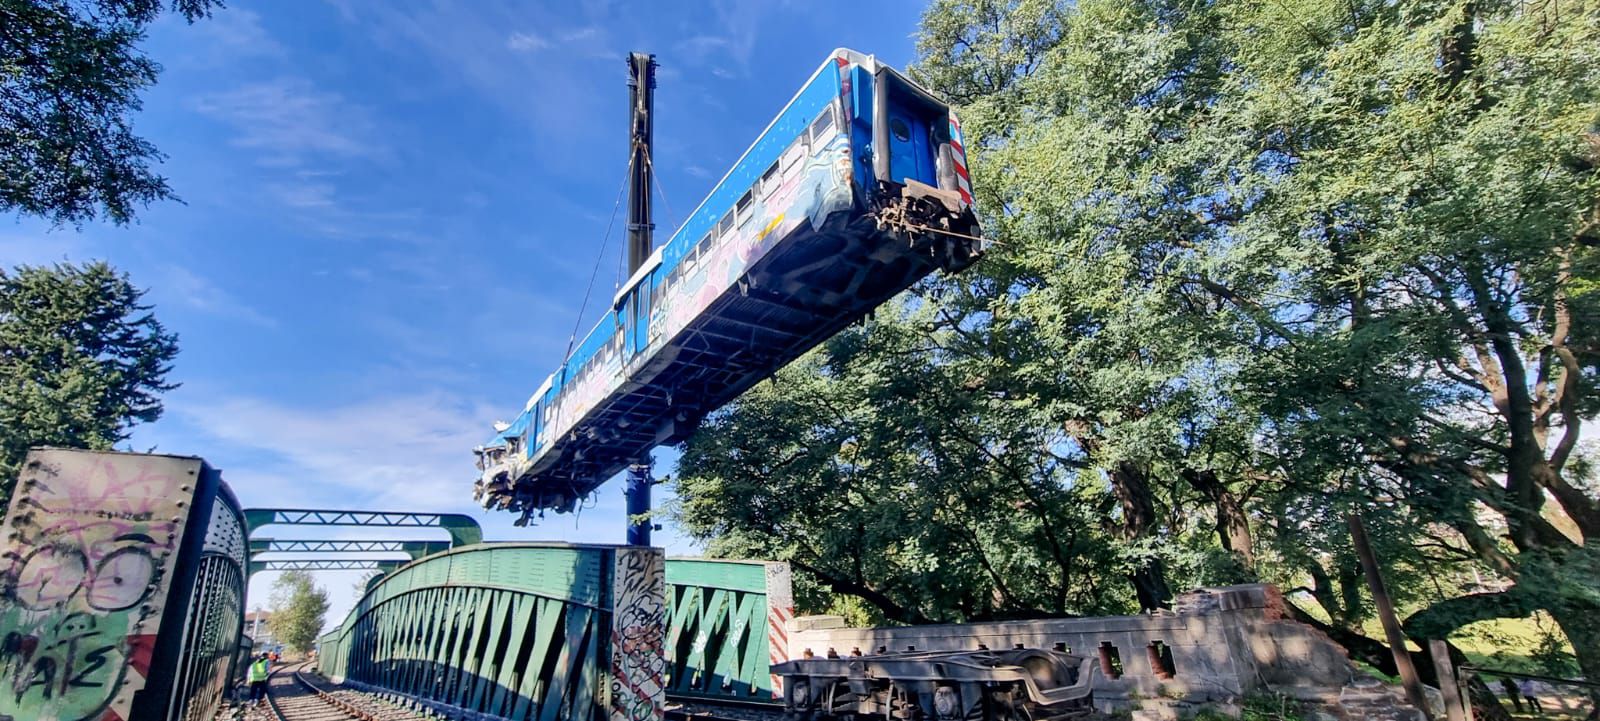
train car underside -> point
(812, 284)
(1017, 685)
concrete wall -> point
(1222, 642)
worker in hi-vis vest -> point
(260, 668)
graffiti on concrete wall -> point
(89, 545)
(638, 623)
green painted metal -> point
(463, 529)
(725, 625)
(463, 627)
(324, 564)
(524, 631)
(414, 549)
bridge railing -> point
(726, 623)
(494, 628)
(513, 630)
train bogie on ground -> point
(1032, 684)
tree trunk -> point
(1485, 707)
(1132, 488)
(1582, 627)
(1233, 526)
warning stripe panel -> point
(778, 642)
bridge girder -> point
(462, 528)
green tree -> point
(1257, 266)
(70, 77)
(82, 360)
(1388, 210)
(299, 608)
(859, 466)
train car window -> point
(793, 154)
(822, 124)
(902, 132)
(743, 208)
(769, 180)
(726, 224)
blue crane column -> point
(641, 126)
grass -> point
(1259, 707)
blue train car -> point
(856, 190)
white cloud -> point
(526, 42)
(304, 195)
(199, 293)
(465, 48)
(289, 121)
(730, 45)
(237, 32)
(402, 452)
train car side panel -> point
(748, 213)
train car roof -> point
(868, 61)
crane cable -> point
(605, 242)
(651, 165)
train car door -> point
(636, 319)
(910, 149)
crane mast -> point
(641, 128)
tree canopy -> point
(1255, 266)
(70, 77)
(299, 608)
(82, 360)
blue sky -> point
(391, 211)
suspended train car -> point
(855, 191)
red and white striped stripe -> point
(778, 641)
(780, 608)
(958, 149)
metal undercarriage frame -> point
(1033, 684)
(794, 298)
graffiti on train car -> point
(90, 539)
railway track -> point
(294, 695)
(688, 708)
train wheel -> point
(947, 703)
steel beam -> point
(324, 564)
(462, 528)
(414, 549)
(726, 623)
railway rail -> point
(294, 695)
(689, 708)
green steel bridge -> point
(538, 631)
